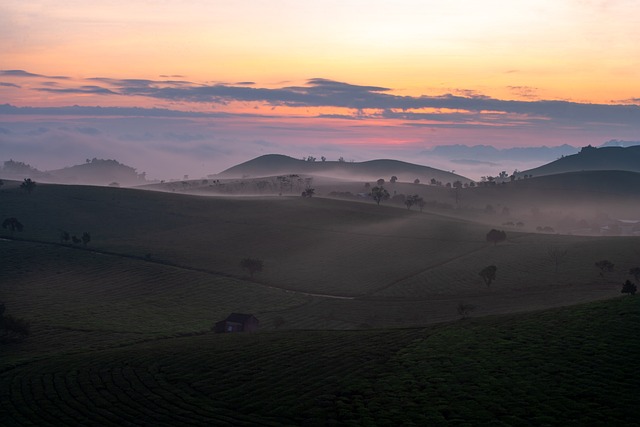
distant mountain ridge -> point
(93, 172)
(614, 158)
(277, 164)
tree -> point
(488, 274)
(380, 182)
(252, 265)
(379, 194)
(416, 181)
(605, 266)
(64, 236)
(556, 256)
(12, 328)
(412, 200)
(629, 288)
(496, 236)
(308, 192)
(86, 238)
(393, 179)
(28, 185)
(464, 309)
(13, 224)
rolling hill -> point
(275, 164)
(93, 172)
(120, 327)
(592, 159)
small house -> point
(237, 322)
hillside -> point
(275, 164)
(120, 326)
(93, 172)
(591, 159)
(570, 366)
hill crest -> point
(277, 164)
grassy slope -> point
(570, 366)
(404, 268)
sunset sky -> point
(193, 87)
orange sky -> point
(261, 58)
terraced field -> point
(570, 366)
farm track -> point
(371, 293)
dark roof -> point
(238, 317)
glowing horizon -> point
(408, 74)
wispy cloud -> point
(22, 73)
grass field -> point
(121, 327)
(569, 366)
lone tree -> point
(488, 274)
(413, 200)
(12, 224)
(28, 185)
(496, 236)
(379, 194)
(252, 265)
(605, 266)
(556, 256)
(86, 238)
(465, 309)
(308, 192)
(64, 236)
(393, 179)
(629, 288)
(12, 328)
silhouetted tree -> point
(416, 181)
(308, 192)
(323, 158)
(465, 309)
(252, 265)
(28, 185)
(420, 203)
(379, 194)
(86, 238)
(12, 328)
(393, 179)
(380, 182)
(12, 224)
(629, 288)
(64, 236)
(496, 236)
(488, 274)
(605, 266)
(412, 200)
(556, 256)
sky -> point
(193, 87)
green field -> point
(570, 366)
(120, 329)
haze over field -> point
(176, 88)
(342, 212)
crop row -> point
(572, 365)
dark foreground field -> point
(570, 366)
